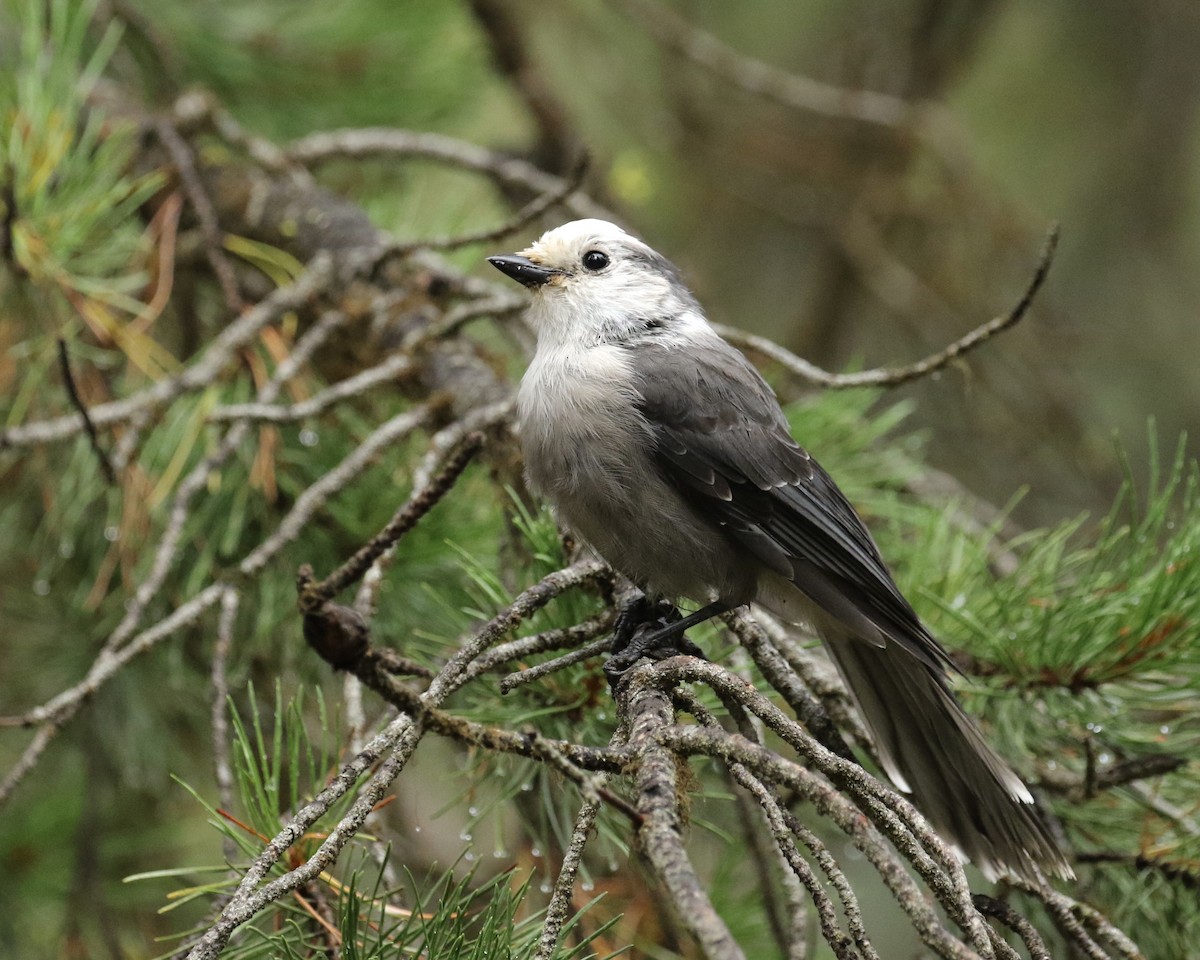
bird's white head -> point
(594, 283)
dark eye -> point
(595, 260)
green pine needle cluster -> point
(69, 198)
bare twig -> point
(891, 377)
(220, 706)
(393, 368)
(373, 668)
(312, 499)
(796, 875)
(559, 906)
(404, 520)
(758, 78)
(393, 745)
(458, 317)
(482, 419)
(1125, 773)
(449, 438)
(591, 786)
(839, 942)
(56, 712)
(775, 669)
(167, 550)
(122, 645)
(383, 141)
(832, 803)
(817, 674)
(64, 362)
(455, 673)
(555, 639)
(530, 674)
(214, 237)
(197, 108)
(998, 909)
(200, 375)
(564, 885)
(526, 215)
(894, 815)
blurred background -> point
(862, 182)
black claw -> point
(638, 614)
(643, 629)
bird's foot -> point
(647, 628)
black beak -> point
(523, 270)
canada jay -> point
(661, 446)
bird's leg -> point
(638, 614)
(654, 629)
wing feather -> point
(719, 434)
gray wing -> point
(720, 436)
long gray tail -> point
(931, 749)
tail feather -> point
(930, 748)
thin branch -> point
(1126, 773)
(839, 942)
(55, 713)
(313, 595)
(1079, 922)
(893, 814)
(999, 910)
(121, 646)
(393, 745)
(500, 23)
(395, 367)
(384, 141)
(397, 742)
(167, 551)
(779, 674)
(315, 496)
(373, 669)
(202, 206)
(891, 377)
(1061, 909)
(762, 80)
(530, 674)
(222, 772)
(837, 879)
(198, 108)
(559, 906)
(830, 802)
(788, 932)
(449, 438)
(554, 639)
(522, 218)
(528, 602)
(481, 419)
(458, 317)
(64, 362)
(199, 376)
(796, 876)
(592, 787)
(817, 674)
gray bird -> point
(661, 446)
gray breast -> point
(589, 452)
